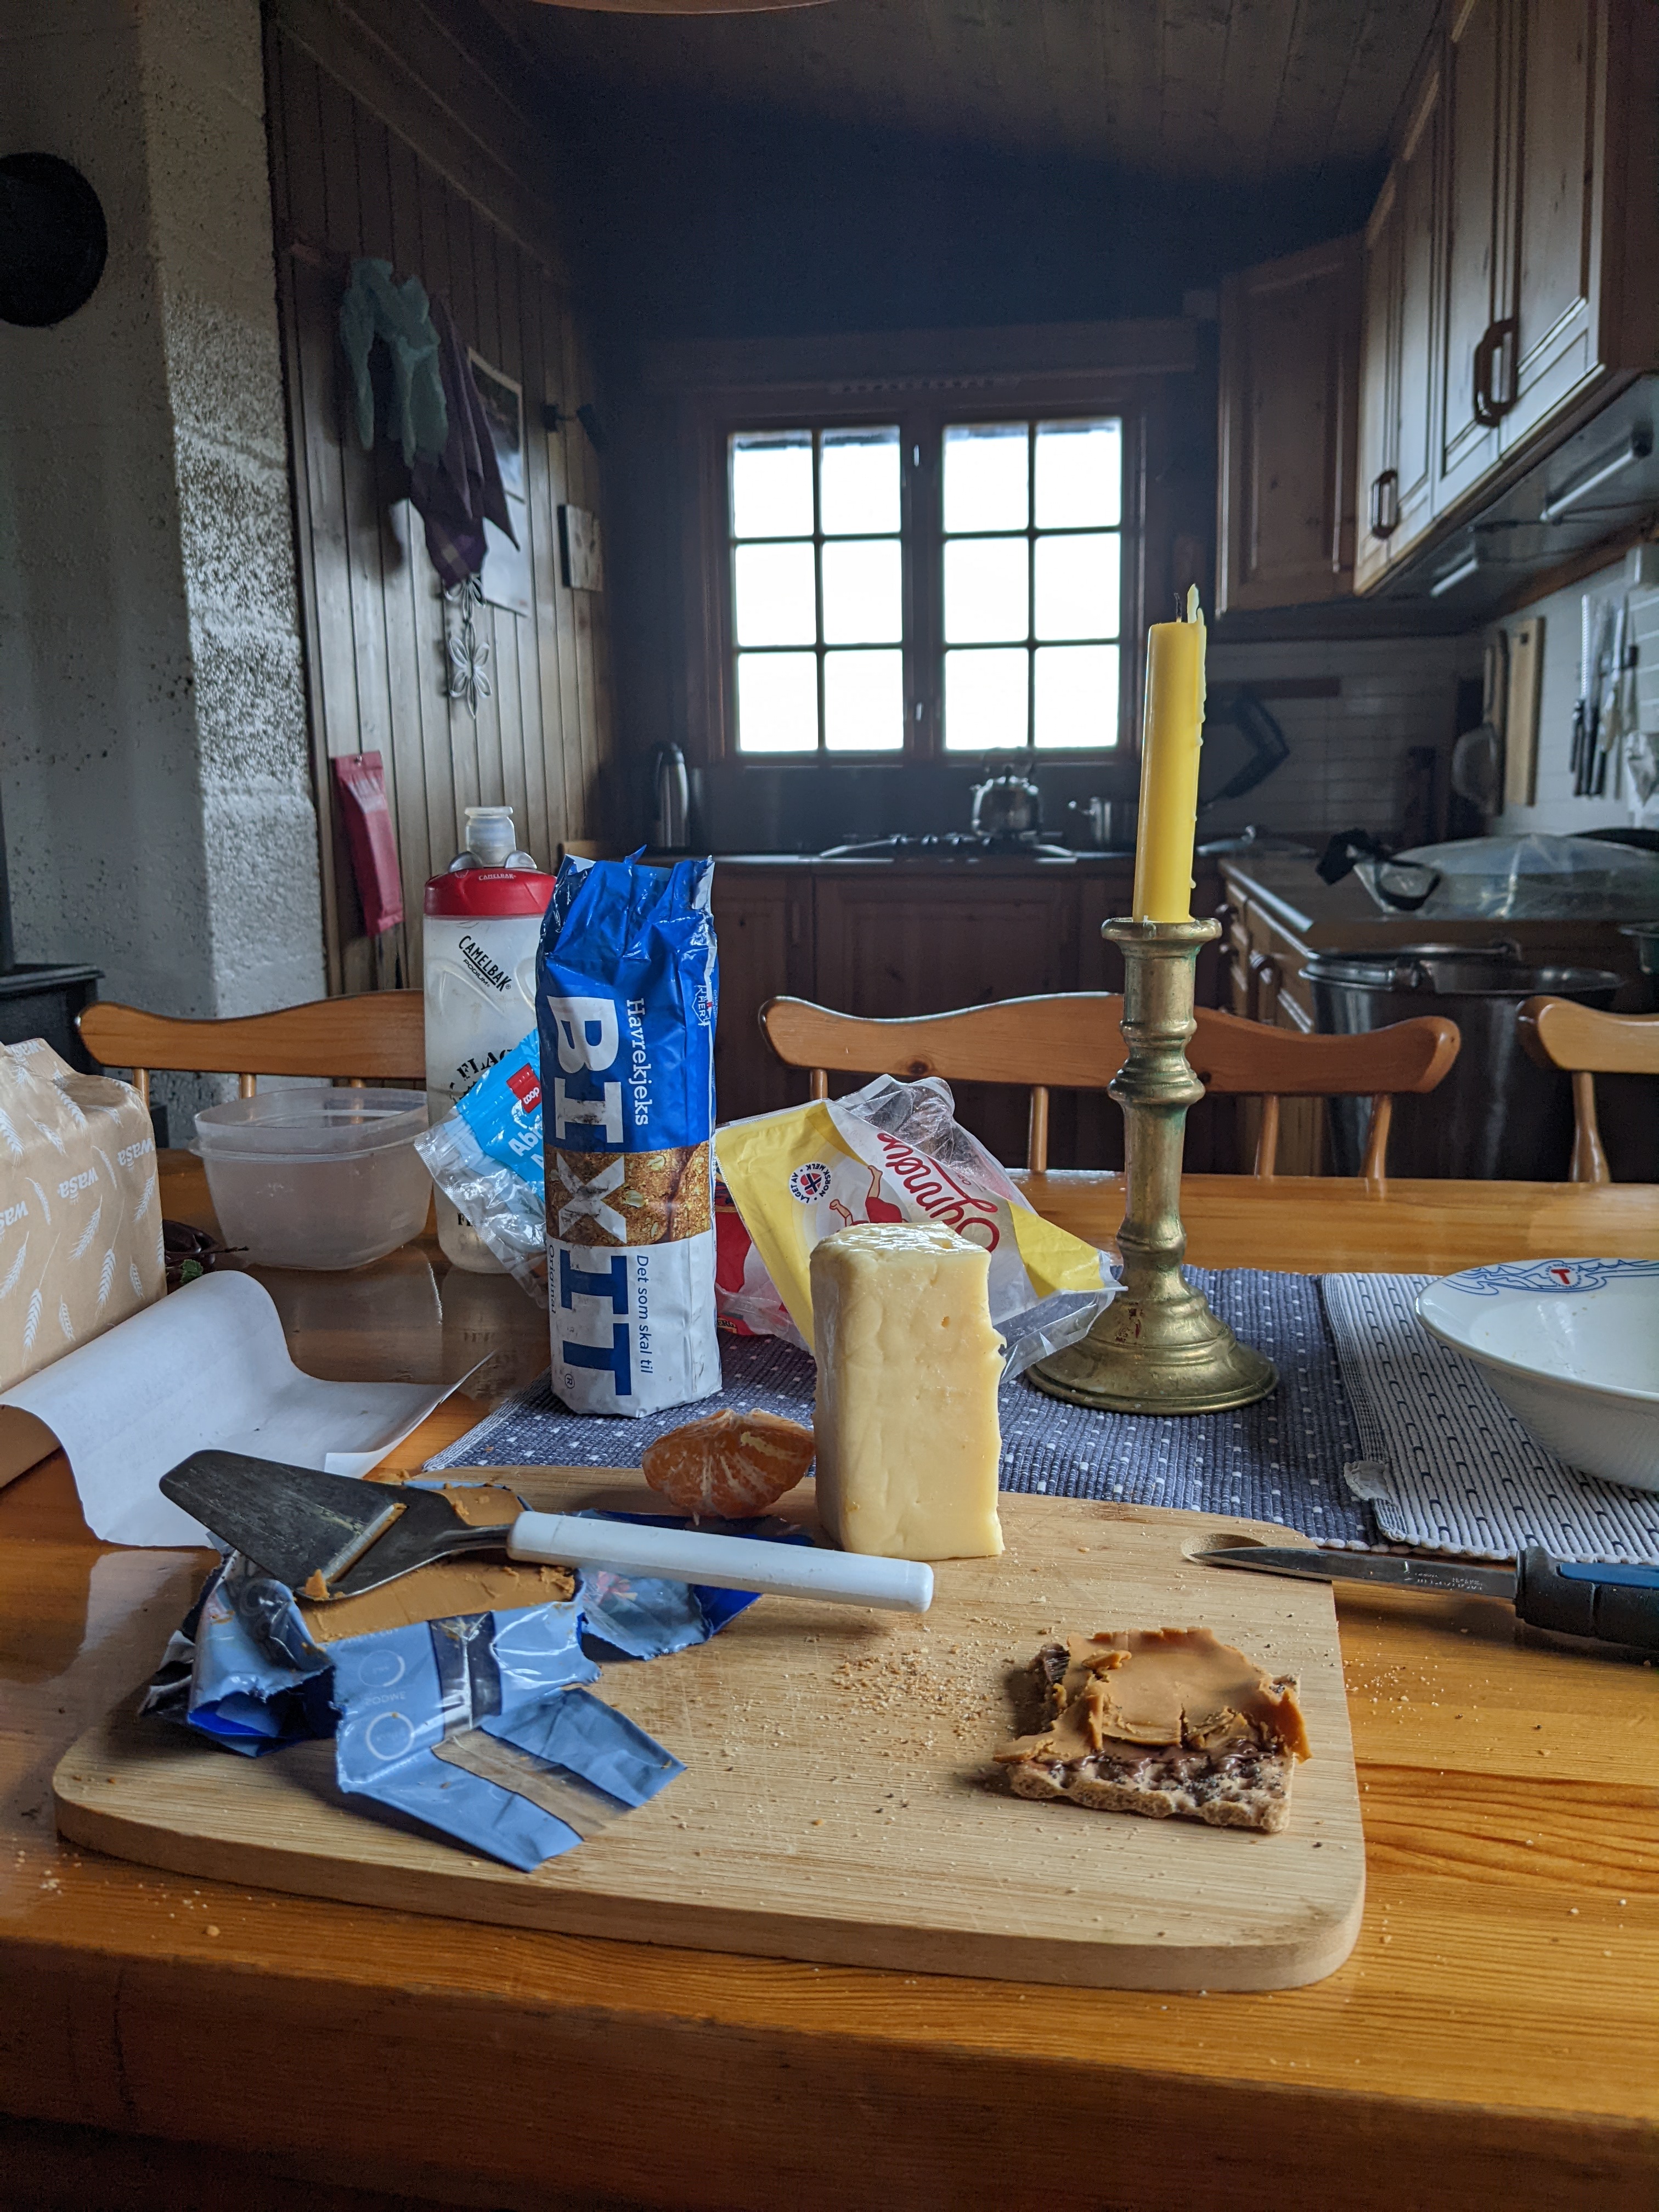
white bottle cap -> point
(491, 836)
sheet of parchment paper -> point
(206, 1366)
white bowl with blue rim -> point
(1572, 1347)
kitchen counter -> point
(980, 864)
(1345, 917)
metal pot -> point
(1007, 805)
(1497, 1115)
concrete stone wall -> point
(154, 757)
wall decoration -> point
(468, 654)
(506, 578)
(579, 549)
(53, 240)
(503, 406)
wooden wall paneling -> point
(431, 621)
(559, 444)
(545, 481)
(520, 713)
(463, 750)
(413, 616)
(584, 490)
(497, 733)
(540, 730)
(374, 233)
(348, 179)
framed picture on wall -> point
(507, 578)
(503, 404)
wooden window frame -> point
(921, 405)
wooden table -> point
(1494, 2038)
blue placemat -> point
(1280, 1461)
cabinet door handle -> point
(1504, 388)
(1501, 337)
(1267, 978)
(1385, 503)
(1482, 399)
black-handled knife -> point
(1603, 1600)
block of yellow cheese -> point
(909, 1365)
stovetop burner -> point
(949, 845)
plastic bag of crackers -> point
(626, 982)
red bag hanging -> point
(360, 782)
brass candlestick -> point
(1157, 1348)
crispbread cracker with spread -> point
(1162, 1722)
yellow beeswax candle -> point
(1169, 741)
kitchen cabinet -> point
(763, 921)
(1289, 373)
(1397, 391)
(1507, 284)
(888, 940)
(1477, 222)
(1261, 979)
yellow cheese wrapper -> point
(800, 1176)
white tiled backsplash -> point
(1347, 763)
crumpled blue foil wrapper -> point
(413, 1710)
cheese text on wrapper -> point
(625, 1007)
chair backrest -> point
(1561, 1033)
(1073, 1040)
(374, 1035)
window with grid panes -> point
(818, 590)
(1015, 580)
(1032, 584)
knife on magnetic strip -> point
(1608, 1602)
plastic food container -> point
(317, 1178)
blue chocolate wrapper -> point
(407, 1706)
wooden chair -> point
(374, 1036)
(1073, 1040)
(1558, 1033)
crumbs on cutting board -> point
(919, 1681)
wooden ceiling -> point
(1237, 89)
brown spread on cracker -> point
(1163, 1721)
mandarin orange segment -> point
(730, 1463)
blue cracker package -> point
(626, 988)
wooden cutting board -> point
(836, 1806)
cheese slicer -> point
(297, 1523)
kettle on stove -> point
(1007, 805)
(671, 800)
